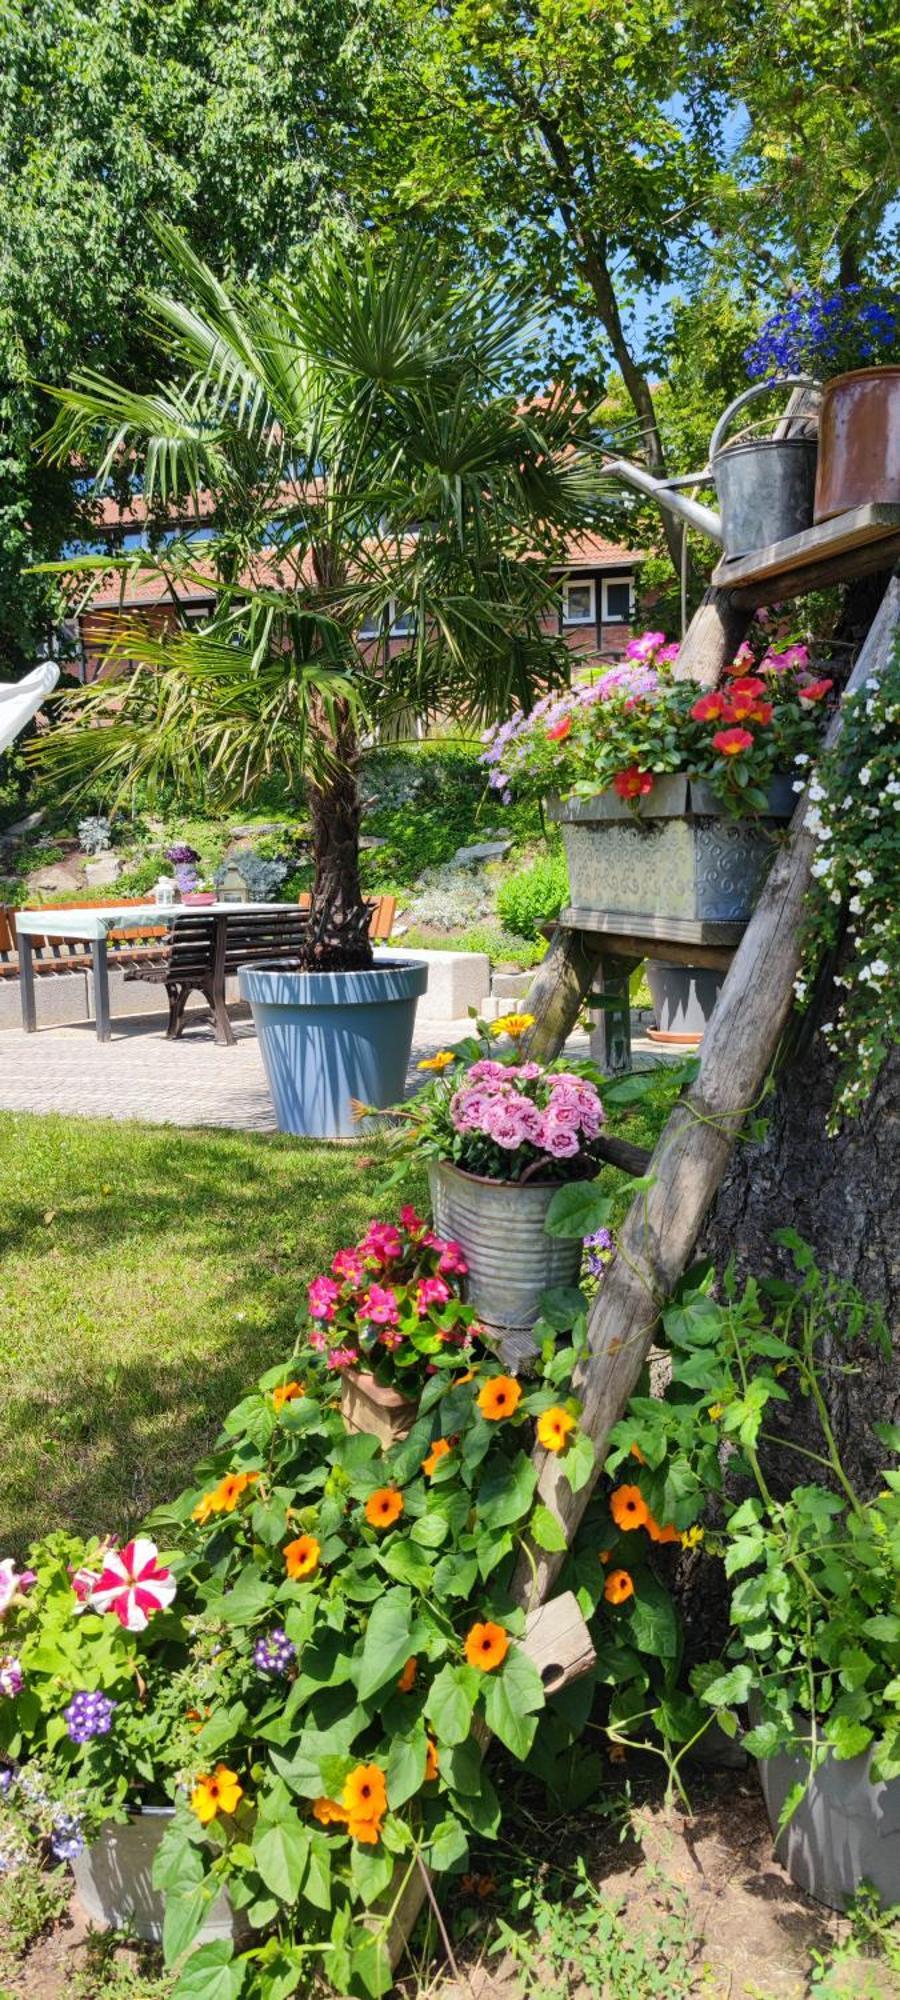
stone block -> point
(457, 980)
(510, 985)
(60, 1000)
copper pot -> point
(859, 442)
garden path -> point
(140, 1075)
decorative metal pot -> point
(846, 1829)
(114, 1881)
(859, 442)
(511, 1259)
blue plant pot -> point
(329, 1037)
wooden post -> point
(662, 1225)
(712, 638)
(611, 1036)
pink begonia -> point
(413, 1222)
(382, 1242)
(322, 1296)
(452, 1260)
(13, 1581)
(317, 1340)
(133, 1585)
(342, 1357)
(430, 1292)
(390, 1338)
(348, 1264)
(380, 1304)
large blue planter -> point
(329, 1037)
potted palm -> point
(850, 339)
(386, 517)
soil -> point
(753, 1935)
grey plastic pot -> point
(329, 1037)
(114, 1881)
(683, 998)
(846, 1830)
(511, 1259)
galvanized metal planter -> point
(114, 1881)
(846, 1829)
(683, 859)
(511, 1259)
(367, 1405)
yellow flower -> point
(513, 1025)
(691, 1537)
(220, 1792)
(715, 1411)
(287, 1392)
(442, 1060)
(553, 1427)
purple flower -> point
(599, 1249)
(12, 1679)
(274, 1655)
(67, 1839)
(6, 1779)
(88, 1714)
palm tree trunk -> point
(339, 918)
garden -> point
(450, 1532)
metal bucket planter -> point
(683, 1000)
(329, 1037)
(682, 862)
(511, 1259)
(846, 1829)
(114, 1881)
(366, 1405)
(859, 441)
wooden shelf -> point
(867, 538)
(675, 940)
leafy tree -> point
(352, 430)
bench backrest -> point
(8, 945)
(381, 921)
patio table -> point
(93, 927)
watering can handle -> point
(758, 389)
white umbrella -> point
(20, 700)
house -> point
(597, 584)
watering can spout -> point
(697, 516)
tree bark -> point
(339, 917)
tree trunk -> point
(339, 917)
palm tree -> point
(363, 448)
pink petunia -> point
(83, 1581)
(322, 1296)
(133, 1585)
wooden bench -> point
(58, 956)
(202, 950)
(381, 921)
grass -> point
(146, 1276)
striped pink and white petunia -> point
(133, 1585)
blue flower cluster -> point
(825, 333)
(88, 1715)
(66, 1839)
(274, 1655)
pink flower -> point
(452, 1260)
(348, 1264)
(12, 1679)
(412, 1221)
(562, 1145)
(342, 1357)
(317, 1340)
(133, 1585)
(667, 655)
(382, 1242)
(322, 1296)
(644, 647)
(487, 1071)
(743, 657)
(83, 1581)
(13, 1581)
(390, 1338)
(380, 1305)
(431, 1292)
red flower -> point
(762, 712)
(748, 685)
(560, 730)
(710, 708)
(732, 741)
(816, 691)
(633, 783)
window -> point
(402, 622)
(617, 603)
(370, 627)
(578, 602)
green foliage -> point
(534, 897)
(501, 947)
(424, 802)
(31, 1899)
(585, 1941)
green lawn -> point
(147, 1276)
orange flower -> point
(500, 1397)
(232, 1487)
(219, 1792)
(383, 1507)
(658, 1534)
(618, 1586)
(408, 1677)
(301, 1558)
(442, 1060)
(553, 1427)
(486, 1646)
(329, 1813)
(629, 1508)
(617, 1753)
(432, 1761)
(605, 1555)
(364, 1799)
(637, 1453)
(287, 1392)
(205, 1506)
(439, 1450)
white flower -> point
(879, 968)
(855, 906)
(797, 785)
(865, 877)
(865, 776)
(802, 759)
(820, 869)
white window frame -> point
(401, 625)
(579, 583)
(371, 628)
(622, 582)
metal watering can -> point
(765, 486)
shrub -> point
(535, 896)
(449, 897)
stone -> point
(457, 980)
(61, 876)
(102, 871)
(21, 827)
(485, 850)
(510, 985)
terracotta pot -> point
(859, 442)
(367, 1406)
